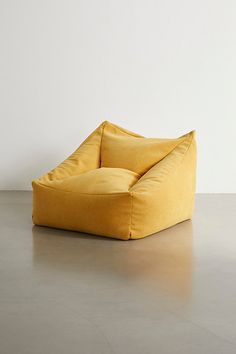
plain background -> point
(160, 68)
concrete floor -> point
(65, 292)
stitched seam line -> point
(186, 151)
(101, 143)
(63, 190)
(131, 214)
(126, 131)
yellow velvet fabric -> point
(119, 184)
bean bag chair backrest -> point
(123, 149)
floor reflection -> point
(160, 262)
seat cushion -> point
(97, 202)
(98, 181)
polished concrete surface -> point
(66, 292)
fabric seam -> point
(102, 142)
(66, 191)
(131, 214)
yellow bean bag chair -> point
(119, 184)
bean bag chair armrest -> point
(164, 196)
(184, 154)
(87, 157)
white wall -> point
(160, 68)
